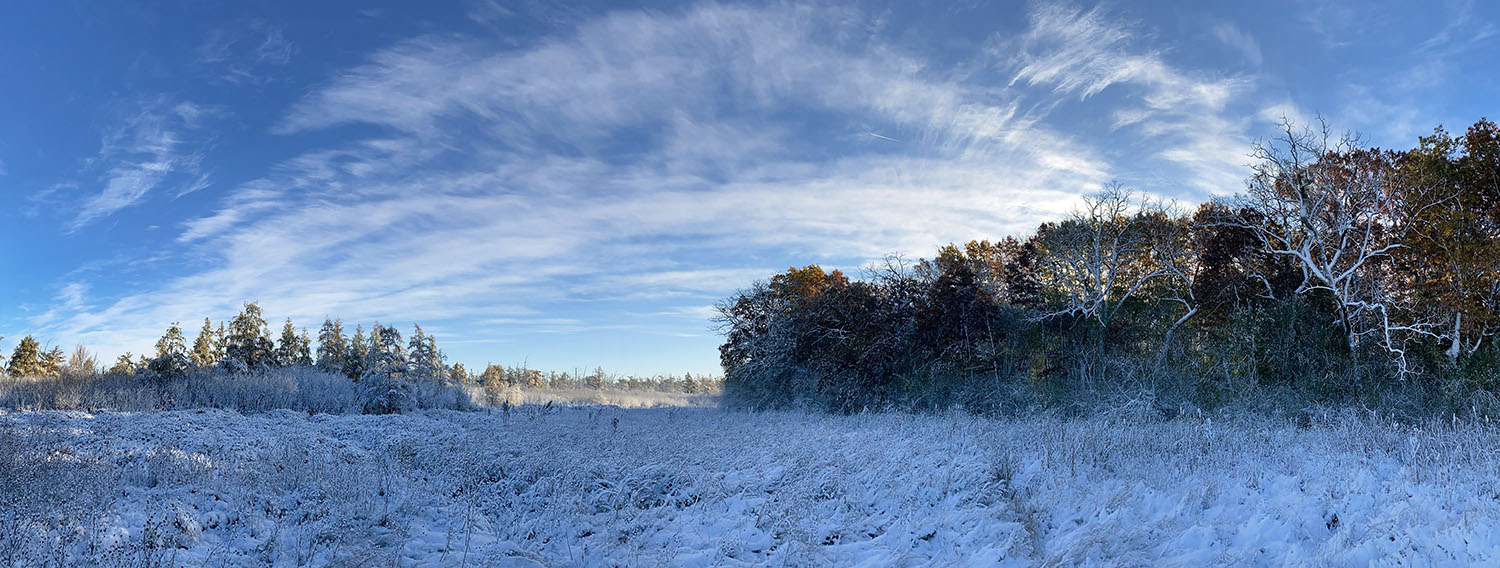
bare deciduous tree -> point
(1328, 205)
(1177, 265)
(1097, 258)
(1108, 252)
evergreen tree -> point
(384, 349)
(375, 342)
(304, 350)
(290, 346)
(124, 365)
(426, 360)
(597, 379)
(172, 360)
(354, 358)
(52, 362)
(206, 352)
(493, 379)
(533, 379)
(221, 343)
(387, 384)
(26, 361)
(332, 347)
(460, 374)
(248, 344)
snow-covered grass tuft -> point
(705, 487)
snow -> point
(706, 487)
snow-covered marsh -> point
(299, 388)
(706, 487)
(623, 398)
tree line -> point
(1339, 272)
(245, 345)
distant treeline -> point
(388, 367)
(1339, 273)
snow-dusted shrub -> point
(294, 388)
(305, 389)
(54, 501)
(386, 395)
(395, 395)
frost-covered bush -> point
(305, 389)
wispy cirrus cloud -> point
(1184, 114)
(664, 158)
(247, 55)
(1240, 41)
(148, 150)
(69, 299)
(1405, 88)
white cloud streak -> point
(1184, 114)
(498, 187)
(1241, 42)
(146, 152)
(247, 55)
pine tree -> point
(426, 360)
(493, 379)
(374, 342)
(172, 360)
(460, 374)
(354, 358)
(124, 365)
(248, 344)
(52, 362)
(596, 379)
(384, 351)
(304, 350)
(388, 388)
(332, 347)
(205, 349)
(287, 349)
(532, 379)
(26, 361)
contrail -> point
(882, 137)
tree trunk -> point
(1454, 348)
(1166, 343)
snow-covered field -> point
(604, 486)
(605, 397)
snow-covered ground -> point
(704, 487)
(622, 398)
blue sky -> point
(572, 185)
